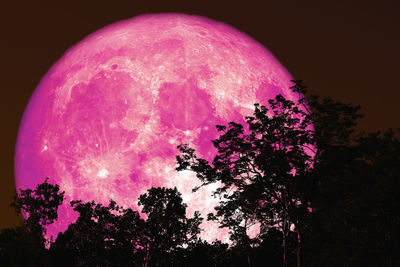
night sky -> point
(348, 50)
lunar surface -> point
(105, 121)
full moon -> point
(105, 121)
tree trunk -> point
(298, 248)
(284, 244)
(298, 255)
(147, 258)
(284, 250)
(286, 230)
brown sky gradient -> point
(345, 49)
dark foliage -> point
(356, 218)
(169, 228)
(39, 205)
(25, 245)
(102, 236)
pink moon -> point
(105, 121)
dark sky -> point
(345, 49)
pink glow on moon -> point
(105, 120)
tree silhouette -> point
(39, 205)
(169, 229)
(102, 236)
(201, 253)
(356, 218)
(262, 170)
(40, 208)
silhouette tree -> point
(169, 229)
(356, 217)
(102, 236)
(201, 253)
(40, 208)
(263, 170)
